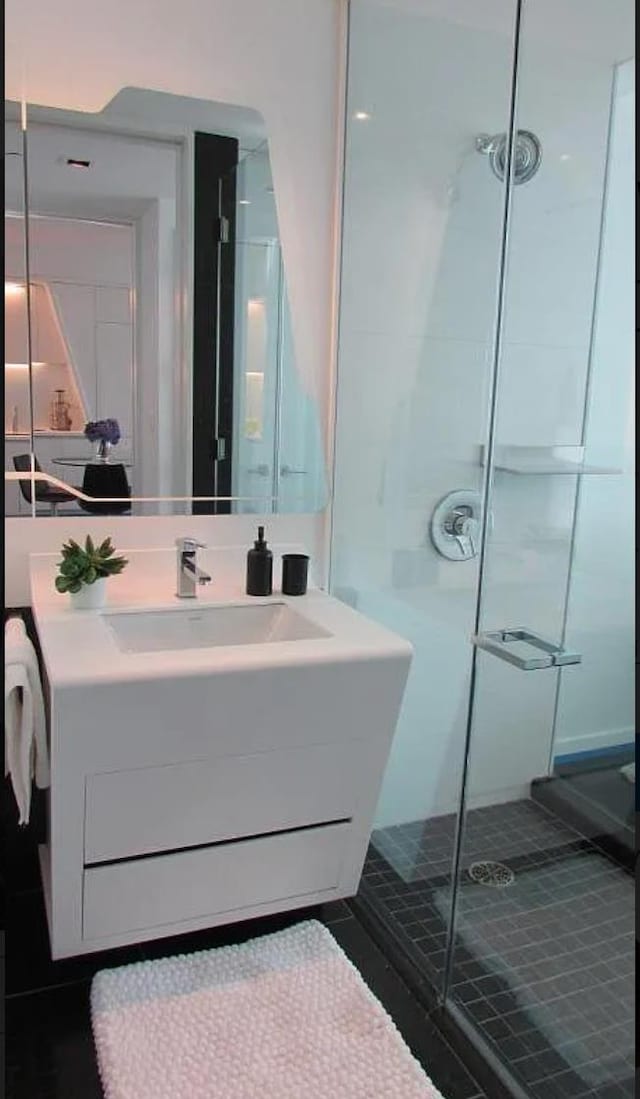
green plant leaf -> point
(87, 565)
(71, 567)
(116, 565)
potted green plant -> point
(83, 573)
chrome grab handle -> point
(287, 471)
(497, 642)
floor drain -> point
(495, 874)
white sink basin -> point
(203, 628)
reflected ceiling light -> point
(244, 202)
(11, 288)
(361, 116)
(565, 156)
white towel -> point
(25, 741)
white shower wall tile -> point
(542, 395)
(551, 269)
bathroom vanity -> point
(212, 759)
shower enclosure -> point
(483, 508)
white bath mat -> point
(285, 1016)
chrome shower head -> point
(527, 154)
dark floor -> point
(543, 967)
(49, 1045)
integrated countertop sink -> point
(146, 634)
(205, 627)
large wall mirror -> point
(150, 358)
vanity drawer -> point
(205, 801)
(166, 889)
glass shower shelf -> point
(546, 461)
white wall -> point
(597, 710)
(422, 231)
(25, 536)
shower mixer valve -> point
(464, 528)
(455, 525)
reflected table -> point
(102, 479)
(88, 461)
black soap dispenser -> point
(260, 567)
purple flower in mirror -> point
(107, 431)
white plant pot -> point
(91, 596)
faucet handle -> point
(189, 545)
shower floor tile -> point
(543, 967)
(421, 850)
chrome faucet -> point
(188, 571)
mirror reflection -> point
(163, 361)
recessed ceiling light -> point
(362, 116)
(73, 162)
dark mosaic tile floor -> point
(421, 850)
(544, 967)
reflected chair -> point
(44, 493)
(105, 479)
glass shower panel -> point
(542, 935)
(422, 237)
(593, 751)
(257, 333)
(257, 305)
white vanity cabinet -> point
(192, 809)
(206, 786)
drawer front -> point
(166, 889)
(205, 801)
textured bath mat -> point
(285, 1016)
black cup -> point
(295, 567)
